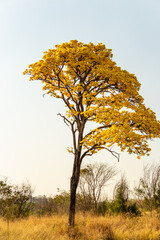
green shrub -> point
(102, 208)
(133, 209)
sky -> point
(33, 139)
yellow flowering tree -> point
(94, 89)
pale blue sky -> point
(33, 139)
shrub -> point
(15, 201)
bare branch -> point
(93, 179)
(115, 154)
(66, 121)
(74, 136)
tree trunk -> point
(95, 207)
(76, 170)
(73, 188)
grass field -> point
(87, 227)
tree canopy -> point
(95, 89)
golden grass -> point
(87, 227)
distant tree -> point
(148, 189)
(61, 201)
(84, 202)
(120, 203)
(23, 201)
(15, 201)
(121, 194)
(58, 204)
(94, 89)
(6, 199)
(93, 178)
(43, 205)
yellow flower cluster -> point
(94, 89)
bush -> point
(133, 209)
(15, 201)
(102, 208)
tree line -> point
(18, 201)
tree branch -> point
(115, 154)
(66, 121)
(87, 151)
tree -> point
(22, 200)
(121, 194)
(148, 189)
(93, 179)
(48, 205)
(43, 205)
(61, 201)
(120, 203)
(94, 89)
(15, 201)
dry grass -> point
(87, 227)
